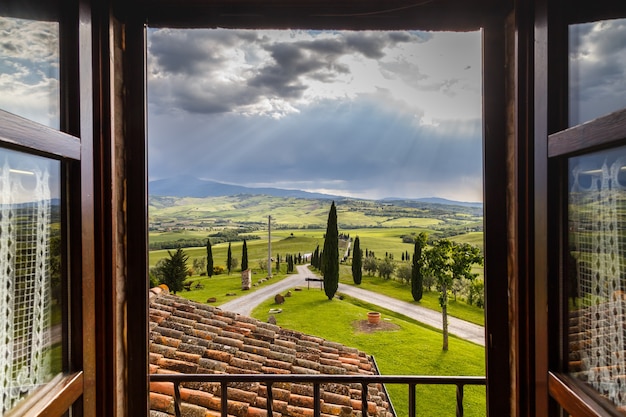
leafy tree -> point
(330, 258)
(199, 265)
(209, 258)
(357, 262)
(278, 263)
(477, 293)
(174, 270)
(369, 265)
(439, 265)
(448, 261)
(244, 256)
(417, 269)
(386, 267)
(229, 259)
(404, 273)
(156, 273)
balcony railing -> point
(410, 380)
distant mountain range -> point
(189, 186)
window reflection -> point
(31, 323)
(597, 69)
(29, 69)
(597, 272)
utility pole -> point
(269, 246)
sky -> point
(364, 114)
(361, 114)
(29, 69)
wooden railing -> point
(410, 380)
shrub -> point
(477, 293)
(404, 273)
(386, 267)
(218, 269)
(369, 265)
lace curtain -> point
(25, 331)
(597, 221)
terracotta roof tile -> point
(288, 356)
(179, 366)
(188, 337)
(191, 347)
(304, 371)
(211, 366)
(251, 357)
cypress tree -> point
(209, 258)
(315, 259)
(417, 270)
(244, 256)
(330, 254)
(229, 259)
(357, 262)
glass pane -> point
(597, 268)
(31, 324)
(29, 69)
(597, 69)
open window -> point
(44, 275)
(589, 160)
(487, 15)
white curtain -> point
(25, 332)
(598, 217)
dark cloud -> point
(196, 55)
(597, 69)
(193, 52)
(354, 144)
(211, 120)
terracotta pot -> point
(373, 317)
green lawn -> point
(412, 349)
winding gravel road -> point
(463, 329)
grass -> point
(413, 349)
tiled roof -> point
(190, 337)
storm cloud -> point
(597, 63)
(364, 114)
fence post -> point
(224, 399)
(412, 404)
(459, 400)
(316, 400)
(177, 399)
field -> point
(298, 227)
(214, 213)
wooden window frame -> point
(602, 133)
(314, 14)
(555, 391)
(72, 146)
